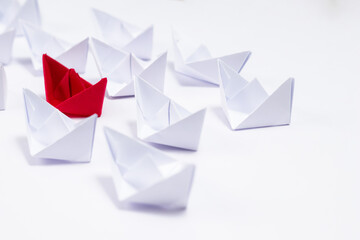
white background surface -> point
(294, 182)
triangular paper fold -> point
(247, 104)
(52, 135)
(120, 68)
(41, 42)
(29, 12)
(144, 176)
(141, 45)
(196, 62)
(125, 36)
(161, 120)
(76, 56)
(69, 93)
(182, 134)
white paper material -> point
(120, 68)
(125, 36)
(196, 61)
(8, 11)
(28, 12)
(53, 135)
(145, 176)
(163, 121)
(248, 105)
(41, 42)
(6, 46)
(3, 88)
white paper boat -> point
(120, 68)
(28, 12)
(125, 36)
(248, 105)
(41, 42)
(197, 62)
(144, 176)
(163, 121)
(53, 135)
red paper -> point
(70, 93)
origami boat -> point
(70, 93)
(197, 62)
(124, 35)
(41, 42)
(120, 68)
(144, 176)
(248, 105)
(163, 121)
(52, 135)
(28, 12)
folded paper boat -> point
(3, 88)
(15, 14)
(52, 135)
(163, 121)
(197, 62)
(69, 93)
(144, 176)
(120, 68)
(41, 42)
(124, 35)
(248, 105)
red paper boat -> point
(69, 93)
